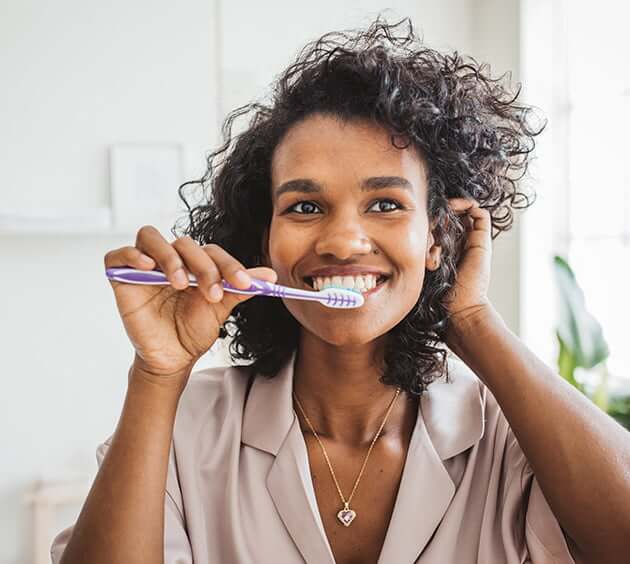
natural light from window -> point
(598, 173)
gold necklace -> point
(347, 515)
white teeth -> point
(362, 283)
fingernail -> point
(146, 259)
(243, 278)
(180, 277)
(216, 292)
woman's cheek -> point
(410, 250)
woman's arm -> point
(580, 456)
(122, 519)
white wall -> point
(544, 226)
(445, 24)
(76, 77)
(79, 76)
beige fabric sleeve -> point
(176, 544)
(527, 514)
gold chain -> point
(356, 483)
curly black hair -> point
(474, 138)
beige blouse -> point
(239, 488)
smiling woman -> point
(373, 125)
(414, 428)
(366, 216)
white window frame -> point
(546, 227)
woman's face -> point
(339, 193)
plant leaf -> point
(579, 332)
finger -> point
(230, 269)
(481, 219)
(259, 272)
(151, 242)
(128, 256)
(199, 263)
(462, 205)
(475, 217)
(480, 232)
(263, 273)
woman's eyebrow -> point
(307, 186)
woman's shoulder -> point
(215, 393)
(460, 411)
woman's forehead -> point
(322, 146)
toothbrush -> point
(334, 297)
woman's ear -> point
(434, 252)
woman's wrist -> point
(464, 324)
(164, 388)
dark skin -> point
(375, 496)
(340, 352)
(343, 225)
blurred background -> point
(105, 107)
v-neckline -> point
(449, 420)
(408, 445)
(424, 484)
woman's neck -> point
(340, 391)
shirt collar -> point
(453, 411)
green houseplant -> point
(582, 343)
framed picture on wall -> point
(144, 179)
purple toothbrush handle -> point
(261, 287)
(264, 288)
(138, 276)
(258, 287)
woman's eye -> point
(303, 203)
(398, 205)
(307, 207)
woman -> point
(354, 435)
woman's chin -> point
(346, 334)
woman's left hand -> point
(469, 295)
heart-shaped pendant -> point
(346, 516)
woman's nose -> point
(343, 242)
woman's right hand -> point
(172, 326)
